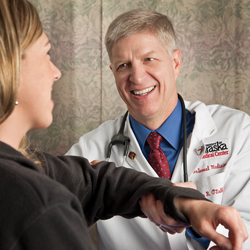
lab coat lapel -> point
(138, 162)
(204, 127)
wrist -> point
(187, 205)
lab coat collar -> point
(139, 162)
(204, 127)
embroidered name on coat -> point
(211, 167)
(216, 149)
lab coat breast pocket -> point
(212, 187)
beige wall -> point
(214, 37)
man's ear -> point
(177, 62)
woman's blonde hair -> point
(20, 27)
(138, 21)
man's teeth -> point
(144, 91)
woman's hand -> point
(204, 217)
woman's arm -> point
(105, 190)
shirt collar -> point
(169, 130)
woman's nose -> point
(57, 73)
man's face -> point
(145, 77)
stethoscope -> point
(120, 138)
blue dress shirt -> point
(172, 141)
(171, 131)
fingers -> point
(187, 184)
(94, 162)
(148, 207)
(206, 217)
(154, 210)
(230, 218)
(168, 224)
(221, 241)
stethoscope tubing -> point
(184, 119)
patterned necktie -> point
(157, 159)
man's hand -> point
(94, 162)
(154, 210)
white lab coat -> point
(221, 174)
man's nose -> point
(138, 74)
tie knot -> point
(154, 140)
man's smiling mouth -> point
(143, 92)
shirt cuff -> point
(203, 241)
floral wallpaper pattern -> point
(214, 38)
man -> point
(146, 64)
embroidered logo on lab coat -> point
(216, 149)
(132, 155)
(199, 150)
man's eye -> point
(149, 59)
(122, 65)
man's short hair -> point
(139, 21)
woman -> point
(37, 212)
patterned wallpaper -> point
(214, 38)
